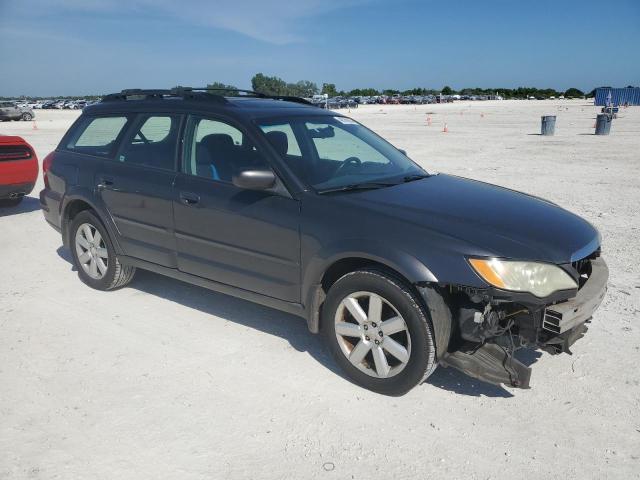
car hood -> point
(492, 220)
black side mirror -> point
(255, 179)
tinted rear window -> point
(97, 135)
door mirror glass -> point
(255, 179)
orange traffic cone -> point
(445, 129)
(35, 127)
(428, 121)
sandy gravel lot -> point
(163, 380)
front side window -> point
(153, 142)
(339, 152)
(216, 150)
(97, 135)
(283, 139)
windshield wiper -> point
(358, 186)
(412, 178)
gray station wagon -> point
(307, 211)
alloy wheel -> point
(372, 334)
(91, 250)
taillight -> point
(11, 153)
(46, 165)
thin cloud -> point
(274, 21)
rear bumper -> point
(50, 205)
(19, 171)
(16, 189)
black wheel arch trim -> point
(412, 270)
(85, 195)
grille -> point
(551, 321)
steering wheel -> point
(348, 163)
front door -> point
(246, 239)
(137, 188)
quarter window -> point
(97, 135)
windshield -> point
(333, 152)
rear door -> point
(136, 187)
(243, 238)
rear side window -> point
(97, 135)
(154, 129)
(153, 142)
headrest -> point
(279, 141)
(217, 141)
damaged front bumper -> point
(565, 321)
(493, 326)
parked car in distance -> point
(11, 111)
(305, 210)
(18, 170)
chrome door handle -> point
(189, 199)
(104, 183)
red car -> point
(18, 170)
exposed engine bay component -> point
(491, 328)
(490, 363)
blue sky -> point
(66, 47)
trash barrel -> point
(603, 124)
(548, 125)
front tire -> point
(26, 116)
(94, 256)
(378, 332)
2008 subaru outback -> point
(307, 211)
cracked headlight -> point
(540, 279)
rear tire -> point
(94, 256)
(387, 346)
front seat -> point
(215, 157)
(279, 141)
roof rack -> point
(192, 93)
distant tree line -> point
(272, 85)
(305, 88)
